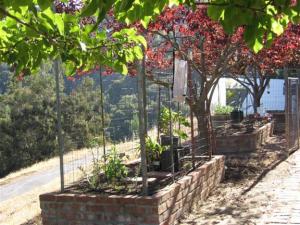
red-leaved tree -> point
(261, 67)
(209, 51)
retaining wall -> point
(244, 143)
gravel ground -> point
(245, 195)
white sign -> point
(180, 80)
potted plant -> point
(153, 153)
(237, 116)
(221, 115)
(164, 125)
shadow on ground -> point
(242, 198)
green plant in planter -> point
(164, 122)
(223, 110)
(153, 150)
(93, 177)
(114, 168)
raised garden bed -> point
(279, 118)
(164, 207)
(219, 120)
(244, 141)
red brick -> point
(94, 208)
(147, 201)
(47, 197)
(127, 199)
(65, 197)
(85, 198)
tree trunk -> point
(202, 115)
(256, 102)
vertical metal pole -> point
(145, 99)
(171, 132)
(171, 120)
(178, 110)
(190, 86)
(158, 115)
(142, 125)
(102, 115)
(59, 127)
(286, 109)
(297, 112)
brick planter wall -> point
(279, 125)
(163, 208)
(242, 143)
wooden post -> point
(59, 127)
(142, 125)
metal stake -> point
(171, 132)
(142, 125)
(102, 115)
(59, 127)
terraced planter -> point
(244, 143)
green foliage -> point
(260, 18)
(223, 110)
(28, 120)
(153, 150)
(114, 168)
(32, 32)
(93, 178)
(164, 124)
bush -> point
(223, 110)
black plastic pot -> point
(183, 151)
(166, 140)
(237, 116)
(166, 161)
(155, 166)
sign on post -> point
(180, 80)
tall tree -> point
(31, 30)
(261, 67)
(210, 53)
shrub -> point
(164, 124)
(223, 110)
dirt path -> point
(249, 200)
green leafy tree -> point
(35, 30)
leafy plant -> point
(153, 149)
(114, 168)
(95, 142)
(223, 110)
(93, 178)
(164, 124)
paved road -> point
(23, 185)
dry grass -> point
(44, 165)
(24, 209)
